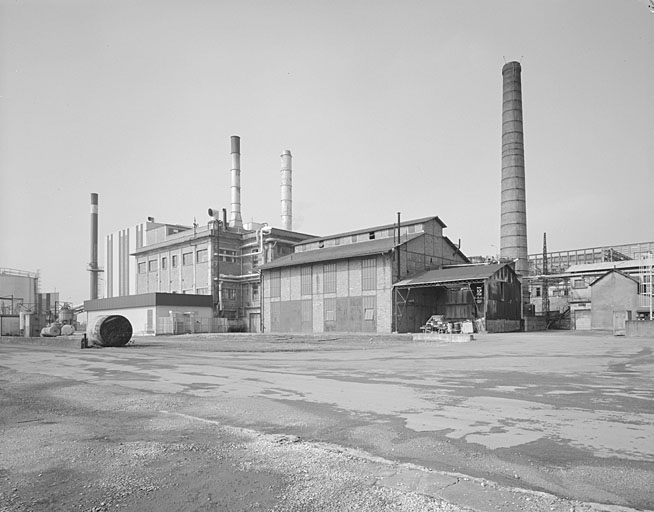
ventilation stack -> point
(513, 229)
(93, 264)
(235, 218)
(287, 191)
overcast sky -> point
(386, 106)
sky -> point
(386, 106)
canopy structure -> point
(482, 293)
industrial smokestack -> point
(287, 191)
(513, 230)
(235, 218)
(93, 264)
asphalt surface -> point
(524, 421)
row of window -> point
(368, 278)
(362, 237)
(201, 256)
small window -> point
(164, 263)
(579, 283)
(321, 244)
(175, 261)
(153, 266)
(230, 293)
(202, 256)
(187, 258)
(142, 267)
(538, 291)
(255, 292)
(371, 235)
(354, 238)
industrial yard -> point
(505, 422)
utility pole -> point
(545, 288)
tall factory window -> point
(329, 277)
(230, 293)
(329, 306)
(255, 292)
(153, 266)
(202, 256)
(369, 274)
(305, 280)
(307, 310)
(275, 284)
(369, 307)
(142, 267)
(175, 263)
(187, 258)
(164, 263)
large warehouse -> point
(345, 282)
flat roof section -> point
(149, 300)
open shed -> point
(489, 295)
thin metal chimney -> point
(287, 191)
(235, 218)
(513, 229)
(93, 264)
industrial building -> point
(24, 309)
(575, 288)
(218, 261)
(360, 281)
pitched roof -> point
(616, 271)
(338, 252)
(452, 275)
(376, 228)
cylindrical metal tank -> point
(110, 331)
(66, 315)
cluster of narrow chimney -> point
(513, 225)
(235, 217)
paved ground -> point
(535, 421)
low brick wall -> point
(503, 326)
(535, 323)
(640, 328)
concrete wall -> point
(613, 292)
(640, 328)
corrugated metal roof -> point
(451, 275)
(338, 252)
(149, 300)
(603, 266)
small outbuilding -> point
(488, 295)
(614, 300)
(157, 313)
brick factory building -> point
(344, 282)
